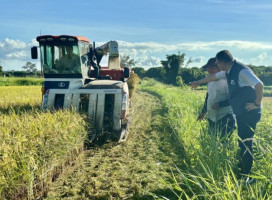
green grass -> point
(211, 164)
(268, 91)
(18, 81)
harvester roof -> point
(51, 38)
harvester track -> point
(128, 170)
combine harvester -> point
(74, 79)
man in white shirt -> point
(245, 95)
(219, 112)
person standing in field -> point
(219, 112)
(245, 95)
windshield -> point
(60, 59)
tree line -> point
(29, 69)
(175, 71)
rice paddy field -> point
(19, 81)
(33, 143)
(168, 154)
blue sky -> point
(147, 30)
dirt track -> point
(131, 170)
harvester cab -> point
(74, 79)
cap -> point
(210, 63)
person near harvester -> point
(245, 95)
(217, 107)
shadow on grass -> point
(170, 143)
(171, 146)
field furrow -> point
(129, 170)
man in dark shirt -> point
(245, 95)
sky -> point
(146, 30)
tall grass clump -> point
(34, 143)
(211, 162)
(132, 84)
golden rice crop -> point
(33, 142)
(16, 81)
(20, 98)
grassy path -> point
(131, 170)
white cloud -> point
(33, 43)
(199, 59)
(225, 44)
(192, 46)
(260, 58)
(148, 61)
(15, 49)
(200, 52)
(14, 44)
(150, 54)
(17, 54)
(146, 46)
